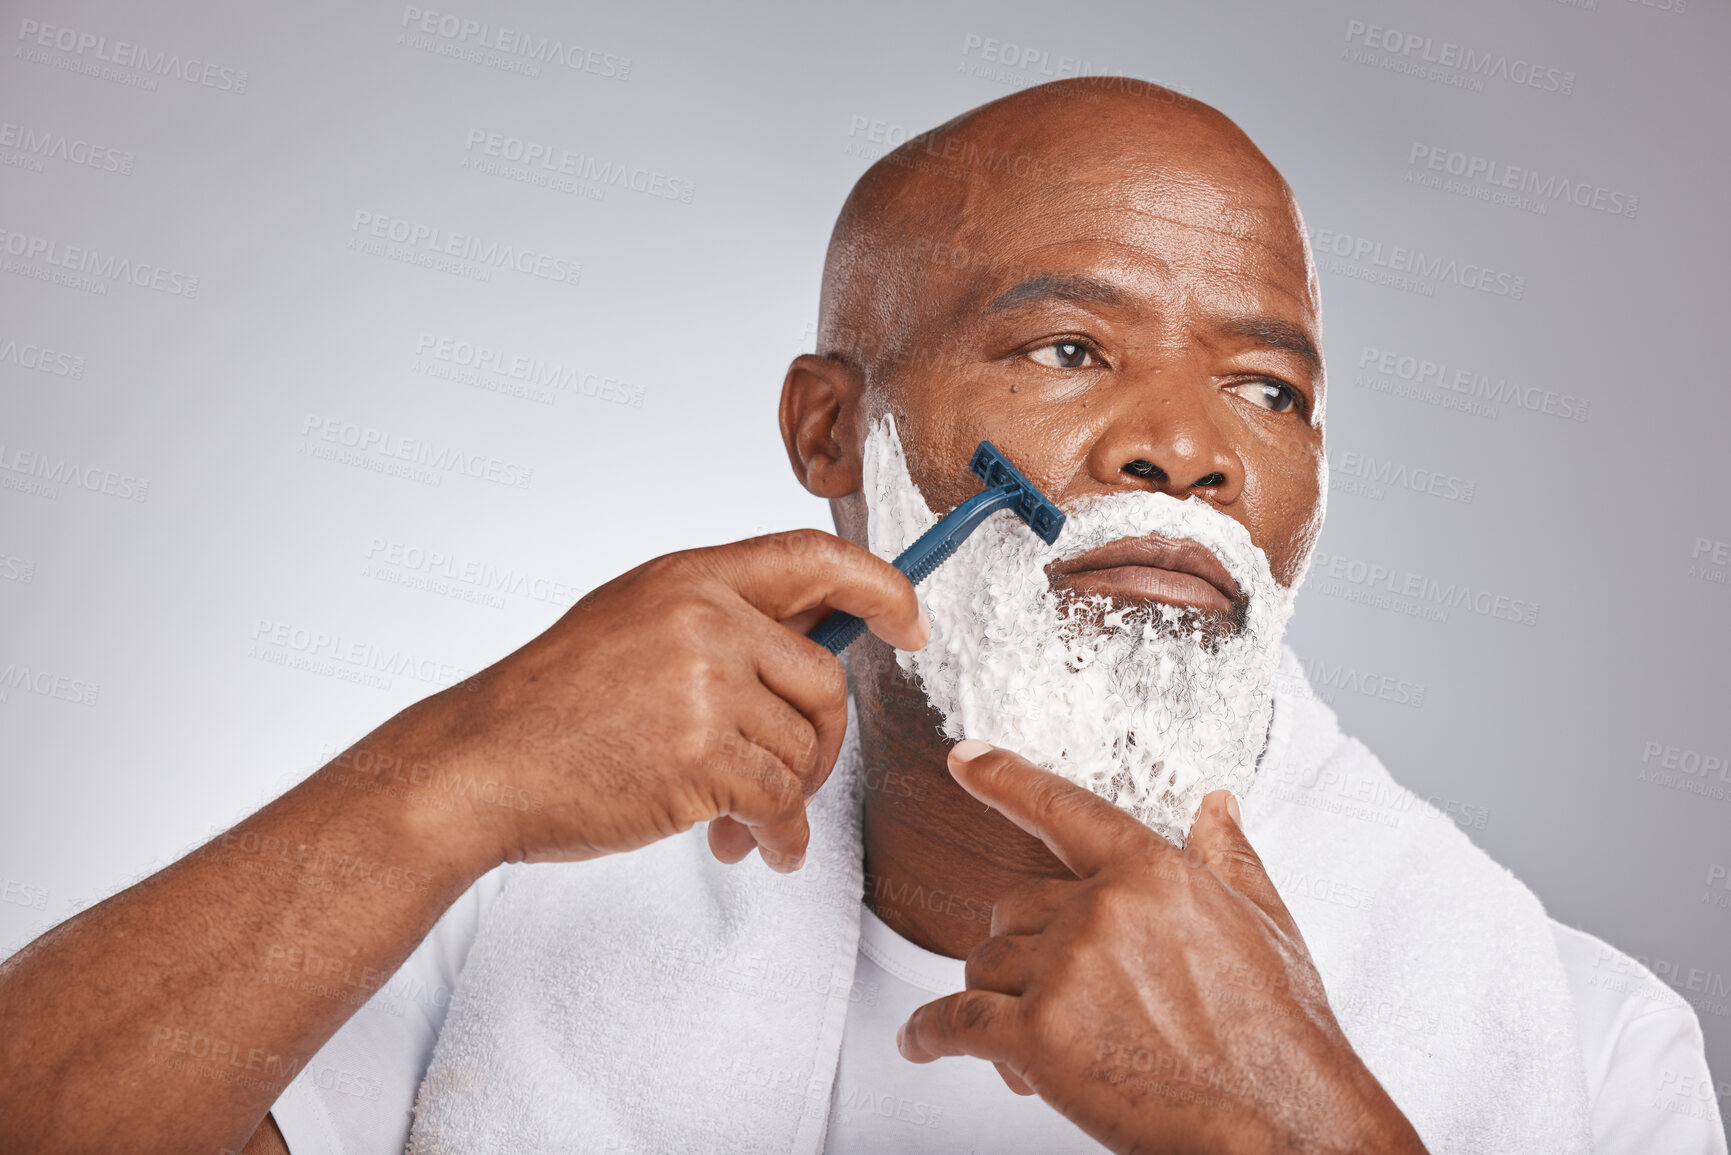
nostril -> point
(1210, 480)
(1142, 467)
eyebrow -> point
(1276, 334)
(1271, 332)
(1052, 287)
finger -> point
(1029, 909)
(1217, 839)
(977, 1023)
(1012, 1080)
(729, 840)
(1003, 964)
(768, 721)
(762, 794)
(787, 574)
(802, 622)
(811, 680)
(1084, 830)
(782, 844)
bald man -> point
(1084, 866)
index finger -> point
(786, 575)
(1217, 838)
(1085, 831)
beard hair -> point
(1152, 707)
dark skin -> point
(1139, 323)
(1129, 356)
(1148, 326)
(1162, 1000)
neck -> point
(936, 860)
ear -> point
(820, 424)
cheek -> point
(926, 427)
(928, 447)
(1283, 502)
(941, 423)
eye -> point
(1274, 396)
(1064, 355)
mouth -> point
(1179, 573)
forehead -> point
(1223, 238)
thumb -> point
(1217, 838)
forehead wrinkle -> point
(1240, 206)
(1128, 264)
(1259, 233)
(1268, 228)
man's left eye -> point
(1062, 355)
(1275, 396)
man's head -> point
(1111, 283)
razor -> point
(1006, 488)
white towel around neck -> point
(662, 1002)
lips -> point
(1150, 569)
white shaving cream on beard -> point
(1148, 706)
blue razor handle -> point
(1006, 488)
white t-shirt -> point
(1646, 1070)
(957, 1106)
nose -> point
(1176, 442)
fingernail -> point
(783, 863)
(925, 627)
(1233, 809)
(901, 1033)
(968, 749)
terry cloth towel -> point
(659, 1001)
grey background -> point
(167, 619)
